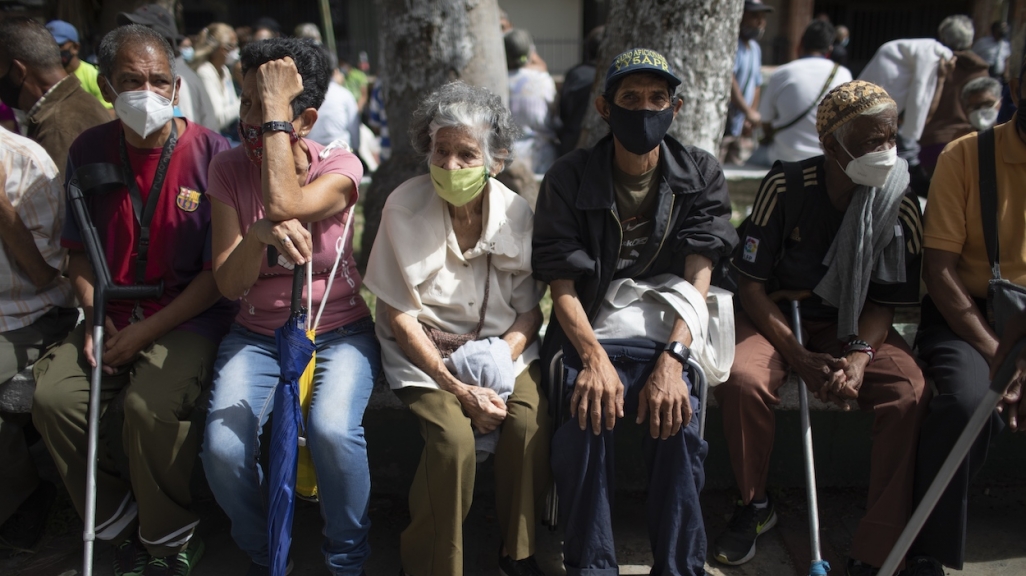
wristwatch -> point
(678, 351)
(278, 126)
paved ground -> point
(996, 538)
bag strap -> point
(815, 102)
(484, 303)
(988, 199)
(144, 215)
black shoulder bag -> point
(1005, 299)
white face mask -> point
(983, 118)
(871, 169)
(144, 112)
(231, 58)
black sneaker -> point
(525, 567)
(736, 545)
(923, 566)
(180, 564)
(25, 527)
(856, 568)
(130, 557)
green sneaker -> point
(130, 557)
(736, 545)
(180, 564)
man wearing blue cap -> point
(637, 207)
(66, 36)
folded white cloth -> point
(487, 363)
(648, 308)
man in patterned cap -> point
(852, 231)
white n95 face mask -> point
(871, 169)
(983, 118)
(143, 111)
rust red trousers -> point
(893, 390)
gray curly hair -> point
(956, 32)
(470, 108)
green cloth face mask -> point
(458, 187)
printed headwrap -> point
(845, 102)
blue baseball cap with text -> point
(640, 60)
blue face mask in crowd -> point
(187, 53)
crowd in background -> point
(262, 139)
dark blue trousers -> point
(582, 464)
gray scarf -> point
(866, 248)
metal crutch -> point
(98, 178)
(955, 458)
(818, 566)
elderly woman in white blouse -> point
(457, 318)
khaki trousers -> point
(158, 440)
(18, 349)
(443, 487)
(893, 390)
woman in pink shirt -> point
(280, 189)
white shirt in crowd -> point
(193, 100)
(338, 118)
(994, 52)
(222, 94)
(793, 89)
(37, 194)
(531, 97)
(907, 70)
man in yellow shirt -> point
(66, 36)
(956, 339)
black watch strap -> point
(679, 351)
(277, 126)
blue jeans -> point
(245, 375)
(583, 466)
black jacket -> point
(577, 232)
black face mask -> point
(640, 131)
(66, 57)
(10, 92)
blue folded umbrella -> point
(294, 353)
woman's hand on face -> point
(279, 83)
(290, 237)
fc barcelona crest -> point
(188, 200)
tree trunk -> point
(698, 39)
(424, 44)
